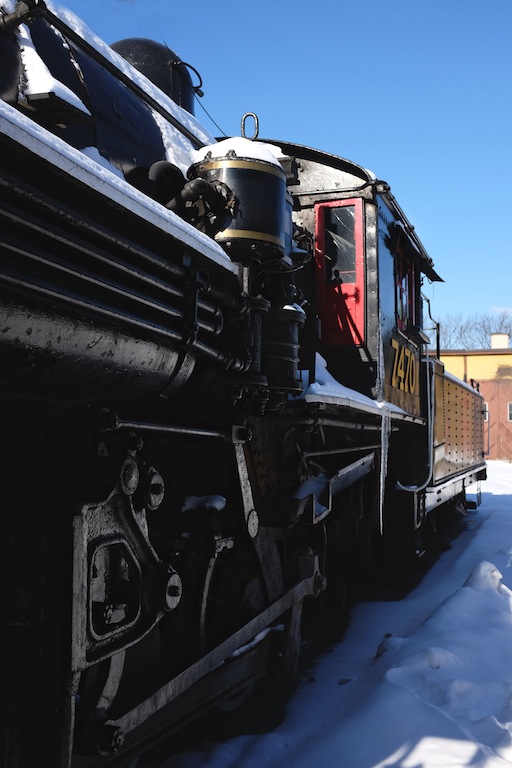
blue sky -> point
(420, 93)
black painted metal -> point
(72, 263)
(160, 65)
(258, 221)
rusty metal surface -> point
(458, 428)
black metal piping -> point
(170, 429)
(334, 451)
(437, 326)
(221, 295)
(112, 421)
(182, 340)
(90, 306)
(88, 279)
(324, 422)
(192, 192)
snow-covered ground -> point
(422, 682)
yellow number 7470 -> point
(403, 376)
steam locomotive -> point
(218, 402)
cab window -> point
(340, 271)
(340, 244)
(405, 292)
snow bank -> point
(459, 662)
(423, 682)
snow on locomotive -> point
(217, 397)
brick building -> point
(491, 369)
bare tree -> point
(474, 332)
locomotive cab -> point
(348, 272)
(364, 281)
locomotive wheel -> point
(233, 594)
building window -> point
(486, 411)
(510, 411)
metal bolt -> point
(130, 477)
(319, 584)
(173, 590)
(110, 739)
(134, 442)
(155, 488)
(253, 523)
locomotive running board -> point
(244, 637)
